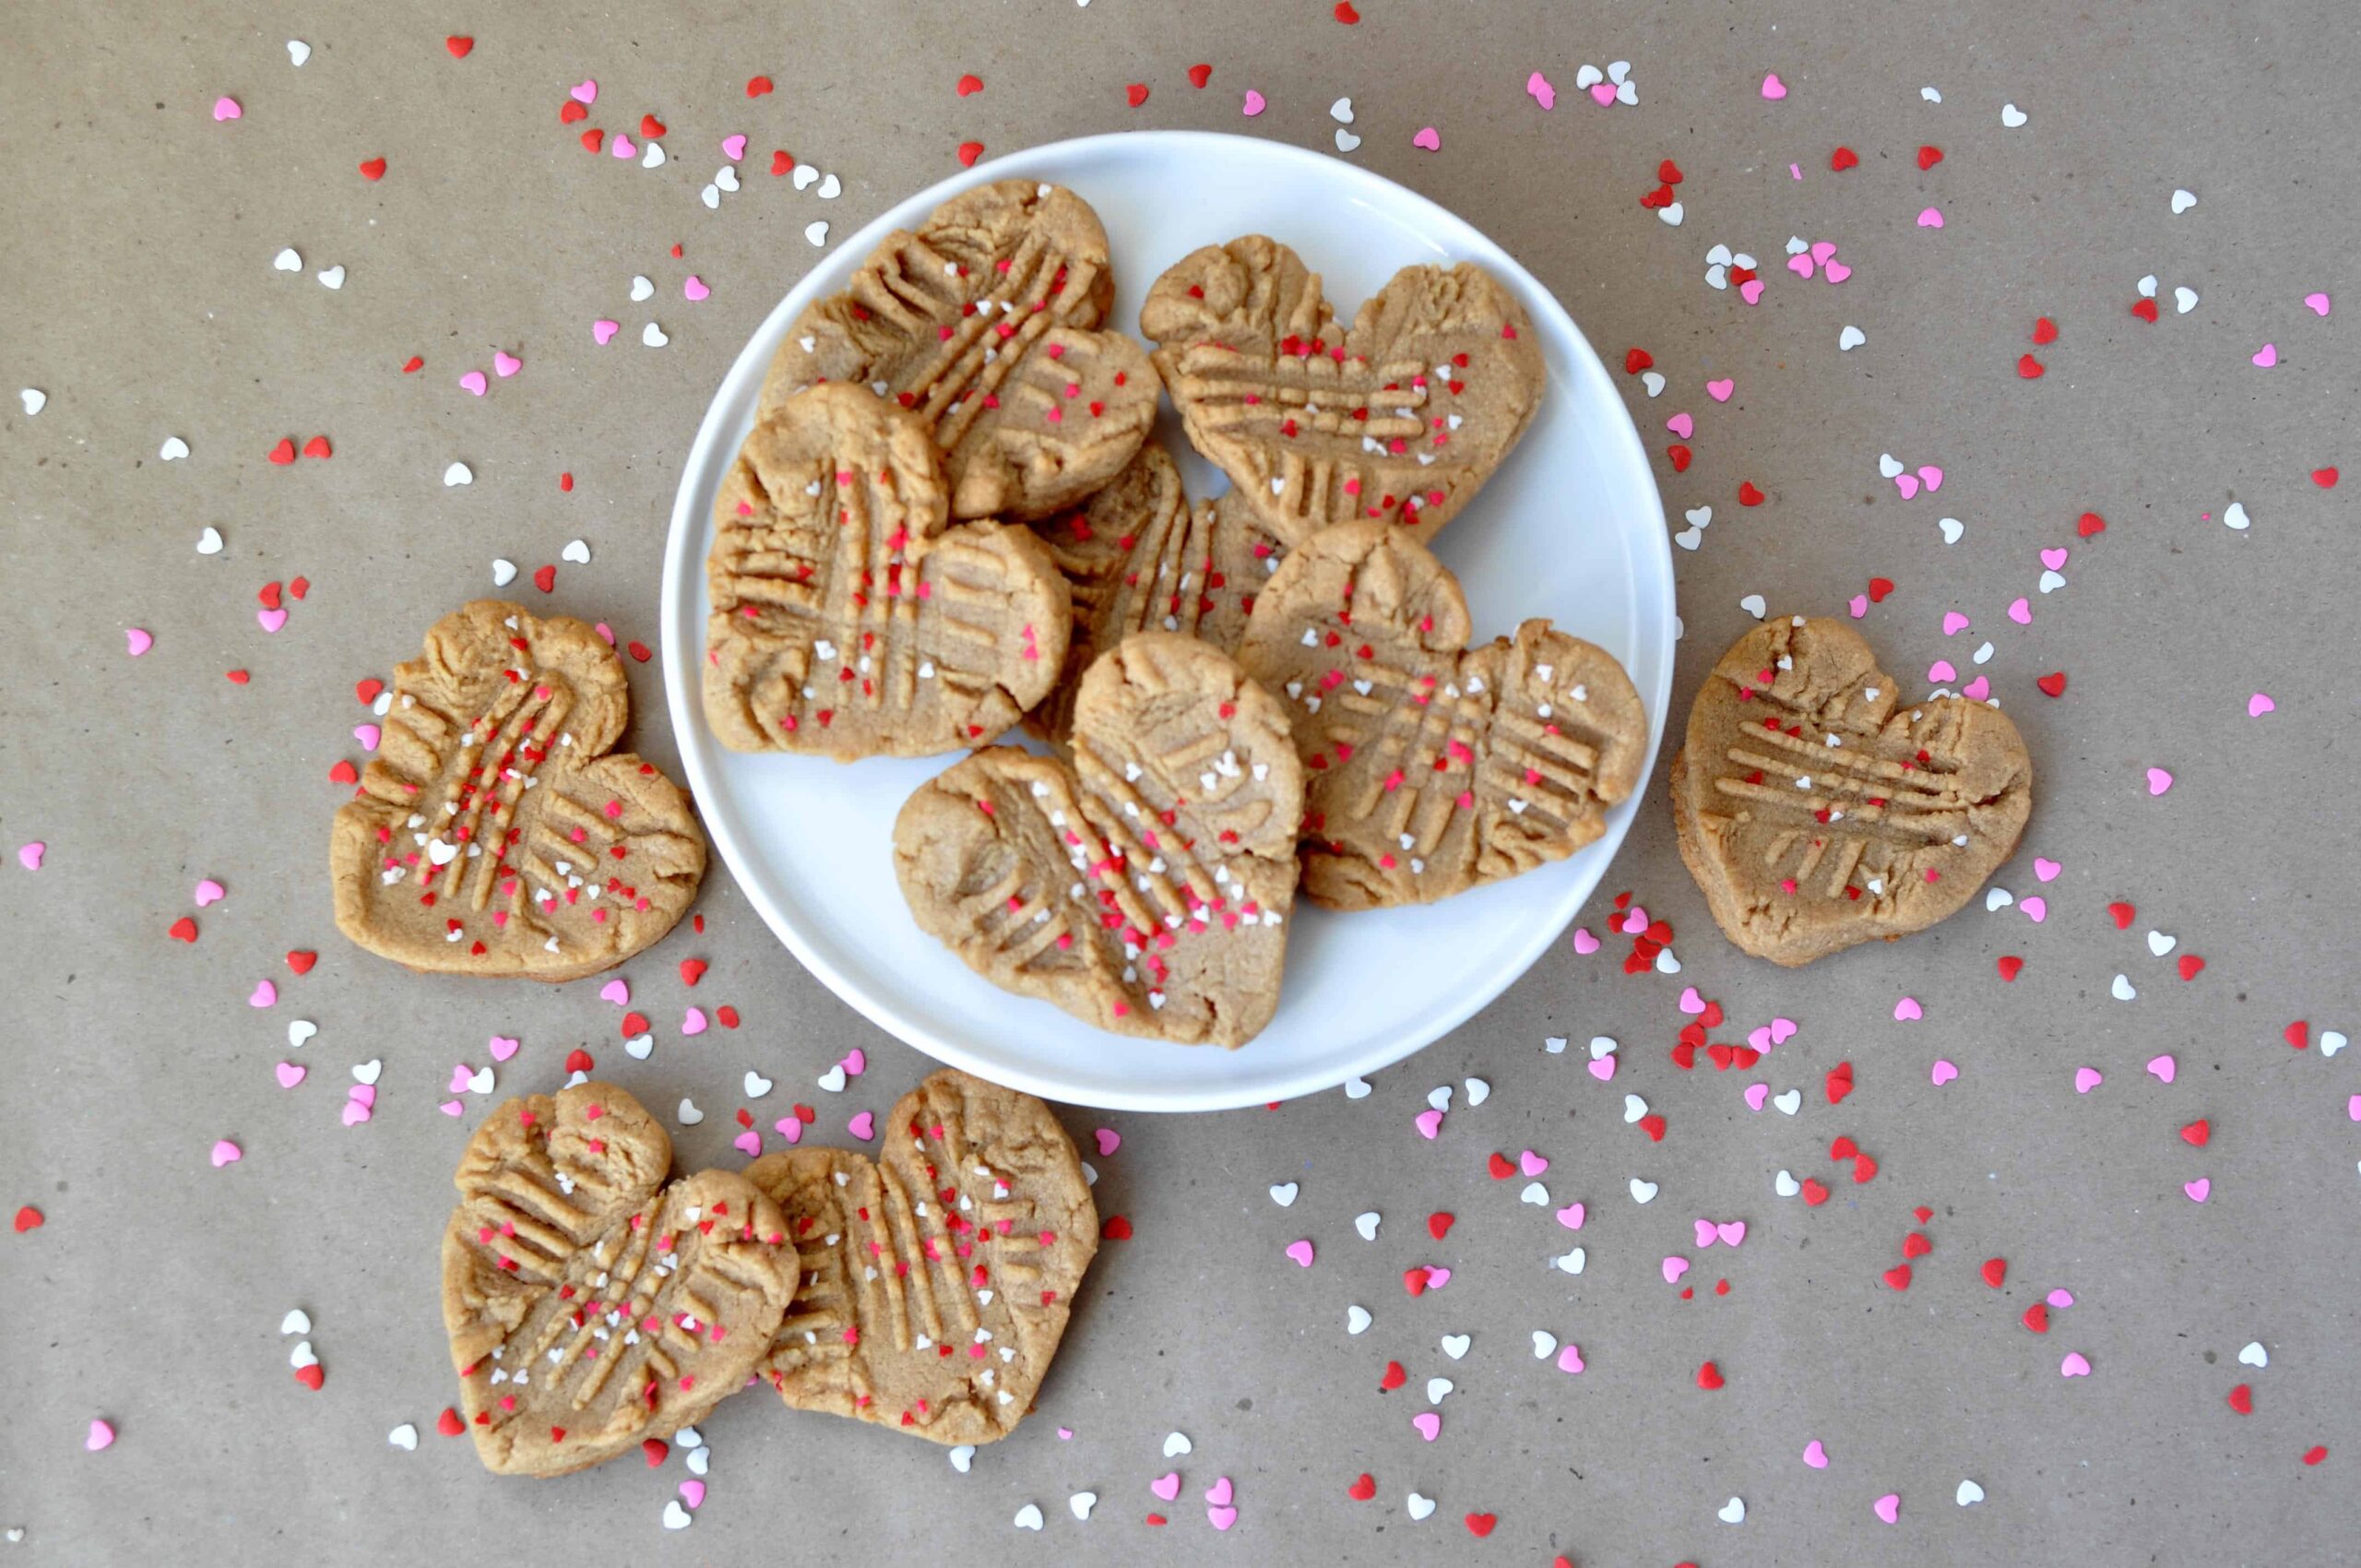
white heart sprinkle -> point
(576, 552)
(1440, 1096)
(1789, 1102)
(1601, 1047)
(805, 175)
(1437, 1388)
(653, 158)
(298, 52)
(1849, 339)
(963, 1456)
(675, 1516)
(2011, 116)
(1366, 1225)
(333, 277)
(641, 288)
(1785, 1185)
(2184, 298)
(1572, 1263)
(298, 1321)
(690, 1114)
(1652, 380)
(288, 260)
(300, 1029)
(2122, 989)
(1178, 1444)
(726, 177)
(404, 1437)
(1536, 1195)
(653, 336)
(1421, 1507)
(2147, 287)
(833, 1080)
(1479, 1091)
(2254, 1355)
(1456, 1346)
(210, 541)
(172, 450)
(1671, 213)
(1931, 95)
(1733, 1511)
(1642, 1192)
(1284, 1193)
(639, 1046)
(1753, 605)
(1357, 1319)
(831, 189)
(457, 474)
(1081, 1502)
(2160, 945)
(1346, 140)
(504, 572)
(368, 1071)
(1953, 528)
(1357, 1089)
(2234, 516)
(816, 231)
(757, 1084)
(302, 1356)
(2332, 1041)
(1969, 1492)
(1545, 1343)
(2183, 201)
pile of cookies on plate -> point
(951, 517)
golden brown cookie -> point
(1401, 416)
(1432, 766)
(848, 618)
(1140, 557)
(936, 1279)
(982, 323)
(589, 1305)
(1145, 886)
(1816, 810)
(494, 832)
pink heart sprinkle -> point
(1428, 1424)
(2020, 611)
(227, 109)
(1691, 1003)
(2054, 559)
(1674, 1267)
(1756, 1094)
(1954, 622)
(1977, 690)
(1944, 1072)
(1221, 1493)
(2267, 356)
(1571, 1217)
(863, 1127)
(1255, 103)
(694, 1022)
(101, 1435)
(1907, 484)
(733, 148)
(2353, 1107)
(2045, 869)
(2061, 1298)
(2198, 1189)
(364, 1096)
(2035, 907)
(1109, 1141)
(1603, 1068)
(271, 620)
(1822, 251)
(1537, 88)
(1167, 1486)
(1531, 1163)
(789, 1127)
(2074, 1365)
(1907, 1011)
(1836, 272)
(695, 287)
(369, 735)
(2159, 781)
(474, 382)
(137, 641)
(1815, 1456)
(2087, 1078)
(1635, 920)
(2163, 1068)
(748, 1143)
(265, 995)
(505, 365)
(1428, 137)
(617, 991)
(1585, 943)
(1931, 217)
(1221, 1518)
(1437, 1278)
(1429, 1123)
(1719, 391)
(2319, 304)
(354, 1114)
(1772, 88)
(2259, 704)
(1802, 265)
(622, 146)
(1301, 1252)
(503, 1048)
(855, 1062)
(1681, 424)
(1602, 93)
(1889, 1507)
(692, 1492)
(585, 92)
(1570, 1358)
(602, 329)
(459, 1076)
(1782, 1030)
(1859, 605)
(1941, 671)
(1751, 290)
(29, 855)
(1731, 1232)
(291, 1074)
(209, 892)
(1932, 476)
(1704, 1231)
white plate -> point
(1571, 528)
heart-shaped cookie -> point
(1139, 557)
(589, 1305)
(848, 618)
(1816, 810)
(1432, 766)
(936, 1279)
(1144, 886)
(982, 322)
(494, 833)
(1401, 416)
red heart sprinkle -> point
(344, 773)
(1996, 1271)
(1865, 1170)
(2297, 1034)
(2029, 368)
(1879, 588)
(301, 960)
(578, 1061)
(1898, 1277)
(2090, 523)
(729, 1016)
(1362, 1489)
(2124, 914)
(1136, 94)
(1500, 1165)
(1345, 14)
(237, 677)
(1439, 1223)
(269, 594)
(1679, 455)
(459, 46)
(2191, 966)
(313, 1376)
(1916, 1244)
(2044, 331)
(968, 152)
(545, 578)
(571, 111)
(284, 453)
(2011, 967)
(565, 483)
(448, 1423)
(1747, 496)
(1200, 75)
(1637, 360)
(298, 587)
(1414, 1280)
(1815, 1193)
(1840, 1084)
(2198, 1133)
(757, 86)
(782, 161)
(1709, 1377)
(366, 691)
(1653, 1124)
(650, 128)
(2036, 1317)
(373, 168)
(2324, 478)
(1480, 1524)
(973, 83)
(2053, 683)
(1668, 172)
(1117, 1229)
(1393, 1378)
(593, 139)
(2315, 1453)
(2144, 309)
(183, 930)
(28, 1218)
(2242, 1399)
(1843, 1148)
(1930, 156)
(413, 365)
(1843, 157)
(692, 971)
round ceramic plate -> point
(1570, 528)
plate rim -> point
(682, 681)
